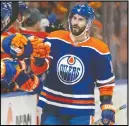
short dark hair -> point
(34, 17)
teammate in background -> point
(33, 24)
(79, 61)
(23, 14)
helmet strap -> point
(88, 25)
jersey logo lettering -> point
(70, 69)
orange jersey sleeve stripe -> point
(106, 90)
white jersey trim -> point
(105, 81)
(58, 39)
(68, 95)
(113, 85)
(66, 105)
(47, 61)
(81, 46)
(90, 123)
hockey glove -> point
(9, 69)
(108, 113)
(26, 82)
(40, 58)
(17, 45)
(40, 49)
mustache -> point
(75, 26)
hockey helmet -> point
(85, 11)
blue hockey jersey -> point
(74, 70)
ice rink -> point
(119, 98)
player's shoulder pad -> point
(98, 45)
(61, 34)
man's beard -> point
(77, 30)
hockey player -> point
(79, 61)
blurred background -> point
(110, 26)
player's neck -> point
(15, 26)
(78, 39)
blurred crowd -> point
(45, 17)
(52, 14)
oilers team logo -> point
(70, 69)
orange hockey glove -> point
(18, 43)
(40, 49)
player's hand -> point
(108, 114)
(40, 49)
(30, 84)
(26, 82)
(18, 43)
(19, 40)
